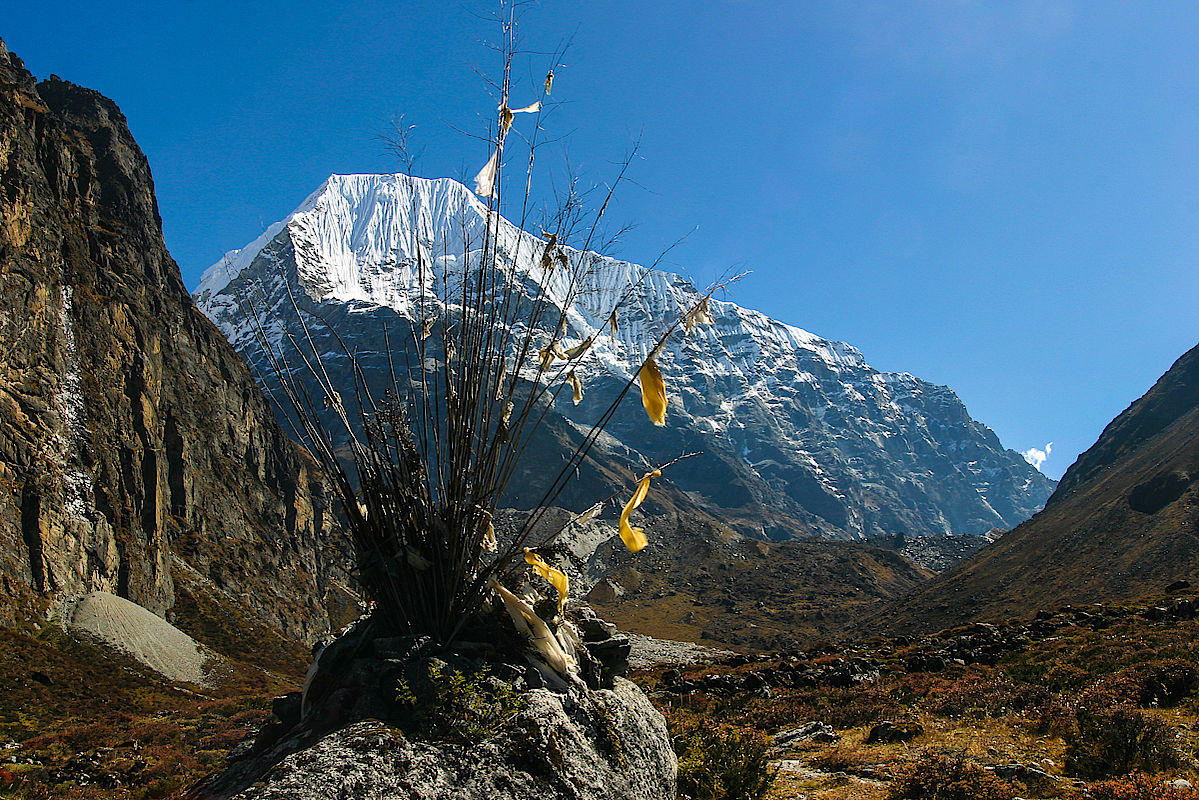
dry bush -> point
(1139, 786)
(841, 708)
(1119, 741)
(1162, 684)
(949, 775)
(845, 758)
(976, 695)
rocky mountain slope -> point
(137, 455)
(1124, 523)
(795, 435)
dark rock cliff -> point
(137, 455)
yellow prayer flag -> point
(554, 576)
(653, 391)
(635, 538)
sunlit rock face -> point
(795, 435)
(136, 451)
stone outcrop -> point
(136, 450)
(401, 717)
(587, 745)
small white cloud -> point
(1036, 456)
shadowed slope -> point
(1122, 524)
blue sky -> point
(998, 196)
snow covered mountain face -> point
(795, 435)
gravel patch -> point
(648, 651)
(139, 634)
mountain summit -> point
(796, 435)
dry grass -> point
(978, 720)
(99, 727)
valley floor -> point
(1095, 702)
(1099, 702)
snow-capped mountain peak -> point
(799, 434)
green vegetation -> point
(949, 776)
(455, 706)
(722, 763)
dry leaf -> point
(555, 576)
(488, 529)
(576, 385)
(580, 348)
(549, 81)
(699, 315)
(415, 559)
(653, 391)
(634, 538)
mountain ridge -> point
(1123, 524)
(798, 435)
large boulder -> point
(583, 744)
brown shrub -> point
(841, 708)
(1139, 786)
(1159, 683)
(946, 775)
(975, 695)
(1117, 742)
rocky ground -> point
(1094, 702)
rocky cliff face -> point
(796, 435)
(1123, 524)
(137, 455)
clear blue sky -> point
(998, 196)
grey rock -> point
(808, 732)
(584, 745)
(887, 732)
(1032, 776)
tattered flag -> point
(653, 391)
(588, 515)
(580, 348)
(634, 538)
(576, 385)
(555, 576)
(699, 315)
(485, 180)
